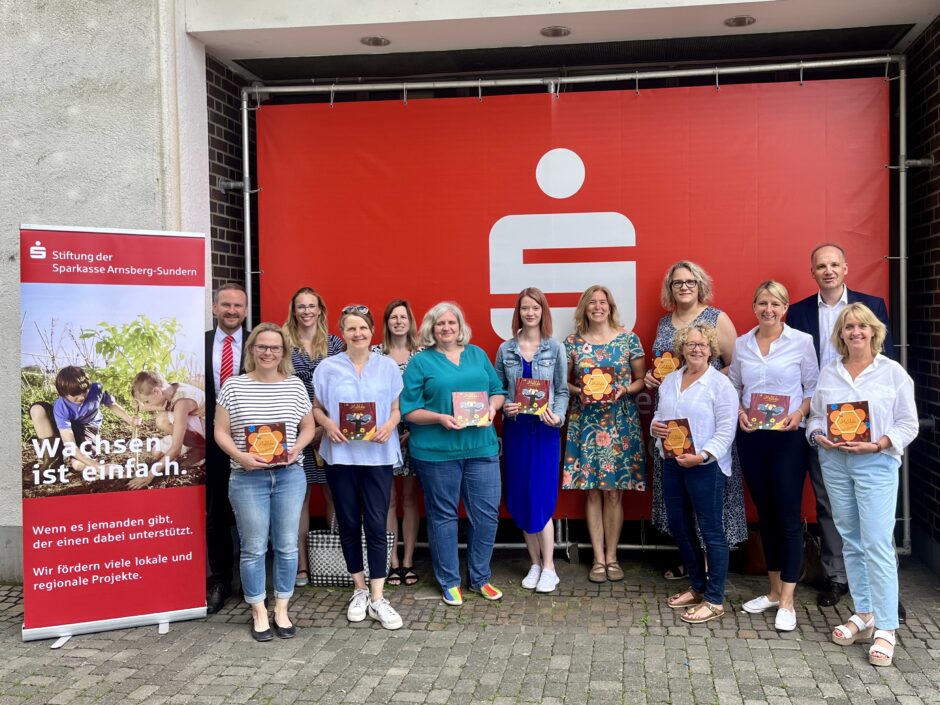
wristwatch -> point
(812, 437)
(708, 457)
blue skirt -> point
(532, 460)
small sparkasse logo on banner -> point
(560, 174)
(37, 251)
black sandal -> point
(408, 575)
(394, 576)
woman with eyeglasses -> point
(686, 294)
(694, 425)
(357, 407)
(455, 450)
(400, 343)
(604, 449)
(310, 343)
(775, 360)
(263, 422)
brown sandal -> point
(614, 572)
(680, 601)
(598, 573)
(713, 612)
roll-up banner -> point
(473, 199)
(113, 428)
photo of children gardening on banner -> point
(115, 405)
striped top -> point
(249, 401)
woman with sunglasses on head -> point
(455, 461)
(400, 343)
(532, 443)
(266, 486)
(604, 449)
(687, 293)
(310, 343)
(357, 407)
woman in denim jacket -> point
(532, 443)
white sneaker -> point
(759, 604)
(548, 581)
(356, 612)
(531, 578)
(785, 620)
(383, 612)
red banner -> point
(473, 200)
(113, 510)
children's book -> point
(664, 364)
(678, 440)
(532, 395)
(597, 384)
(471, 408)
(767, 412)
(357, 420)
(268, 440)
(849, 421)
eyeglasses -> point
(356, 308)
(696, 346)
(683, 284)
(306, 307)
(276, 349)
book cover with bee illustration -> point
(678, 440)
(532, 395)
(357, 420)
(767, 412)
(597, 384)
(471, 408)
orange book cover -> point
(357, 420)
(849, 421)
(766, 412)
(597, 384)
(268, 440)
(471, 408)
(664, 364)
(532, 395)
(678, 440)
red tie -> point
(228, 358)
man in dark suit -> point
(224, 348)
(816, 315)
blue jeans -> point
(268, 503)
(445, 483)
(863, 492)
(698, 493)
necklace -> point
(684, 322)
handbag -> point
(325, 561)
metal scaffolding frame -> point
(633, 78)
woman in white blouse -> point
(694, 481)
(774, 359)
(861, 475)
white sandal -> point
(844, 636)
(879, 655)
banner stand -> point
(66, 631)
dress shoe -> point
(832, 594)
(265, 635)
(283, 632)
(902, 613)
(216, 596)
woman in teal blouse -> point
(453, 461)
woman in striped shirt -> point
(267, 484)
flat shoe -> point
(677, 572)
(713, 612)
(284, 632)
(677, 602)
(614, 572)
(785, 621)
(263, 635)
(394, 576)
(598, 573)
(408, 575)
(759, 604)
(302, 579)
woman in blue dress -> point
(532, 443)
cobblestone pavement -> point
(585, 644)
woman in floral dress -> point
(604, 449)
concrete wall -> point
(104, 124)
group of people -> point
(428, 398)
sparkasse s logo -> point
(560, 174)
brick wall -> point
(924, 288)
(225, 161)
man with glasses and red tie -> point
(224, 347)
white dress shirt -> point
(886, 387)
(827, 321)
(217, 344)
(710, 404)
(790, 367)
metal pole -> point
(551, 82)
(246, 207)
(905, 547)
